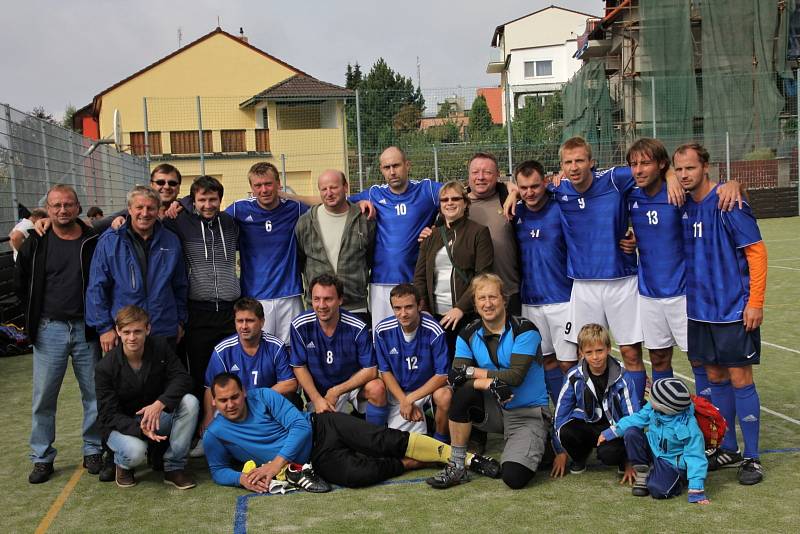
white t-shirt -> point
(332, 227)
(443, 271)
(24, 226)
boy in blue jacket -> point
(673, 450)
(595, 395)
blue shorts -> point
(724, 344)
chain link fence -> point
(36, 154)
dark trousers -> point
(467, 405)
(351, 452)
(665, 480)
(205, 328)
(579, 438)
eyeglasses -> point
(162, 183)
(444, 200)
(65, 206)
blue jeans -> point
(665, 480)
(56, 341)
(130, 451)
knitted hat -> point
(669, 396)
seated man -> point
(263, 427)
(332, 356)
(142, 399)
(257, 358)
(412, 358)
(499, 386)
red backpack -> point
(710, 421)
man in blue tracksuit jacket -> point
(140, 263)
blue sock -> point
(377, 415)
(748, 409)
(444, 438)
(658, 375)
(554, 379)
(638, 379)
(723, 398)
(702, 387)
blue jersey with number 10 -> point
(594, 222)
(543, 255)
(659, 238)
(331, 360)
(400, 220)
(411, 362)
(268, 249)
(717, 273)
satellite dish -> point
(118, 129)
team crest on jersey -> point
(635, 205)
(685, 216)
(249, 218)
(311, 345)
(565, 198)
(382, 201)
(394, 351)
(235, 368)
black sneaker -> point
(640, 482)
(42, 471)
(304, 477)
(721, 459)
(577, 467)
(485, 465)
(108, 471)
(449, 477)
(750, 472)
(93, 463)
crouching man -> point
(143, 399)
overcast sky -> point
(55, 53)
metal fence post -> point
(508, 126)
(45, 155)
(11, 173)
(436, 162)
(358, 136)
(653, 100)
(200, 136)
(727, 157)
(283, 171)
(146, 132)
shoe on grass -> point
(124, 477)
(180, 479)
(304, 477)
(721, 459)
(640, 482)
(750, 472)
(450, 476)
(577, 467)
(93, 463)
(485, 465)
(42, 471)
(108, 471)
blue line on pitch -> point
(240, 515)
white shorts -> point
(380, 306)
(664, 322)
(613, 304)
(551, 320)
(278, 315)
(344, 402)
(399, 422)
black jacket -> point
(121, 393)
(29, 275)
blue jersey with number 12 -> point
(268, 249)
(411, 362)
(659, 238)
(400, 220)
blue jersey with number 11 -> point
(400, 220)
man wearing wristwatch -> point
(499, 386)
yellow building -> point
(252, 107)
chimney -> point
(242, 35)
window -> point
(138, 145)
(537, 69)
(187, 142)
(299, 115)
(262, 140)
(233, 141)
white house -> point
(534, 53)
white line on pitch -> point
(783, 240)
(782, 267)
(763, 408)
(780, 347)
(785, 259)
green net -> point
(587, 108)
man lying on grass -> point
(262, 426)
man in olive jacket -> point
(336, 238)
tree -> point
(447, 109)
(69, 113)
(40, 113)
(480, 119)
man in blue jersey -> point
(726, 277)
(404, 208)
(261, 427)
(268, 248)
(499, 387)
(332, 356)
(413, 362)
(546, 288)
(257, 358)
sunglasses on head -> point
(162, 183)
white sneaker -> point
(198, 451)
